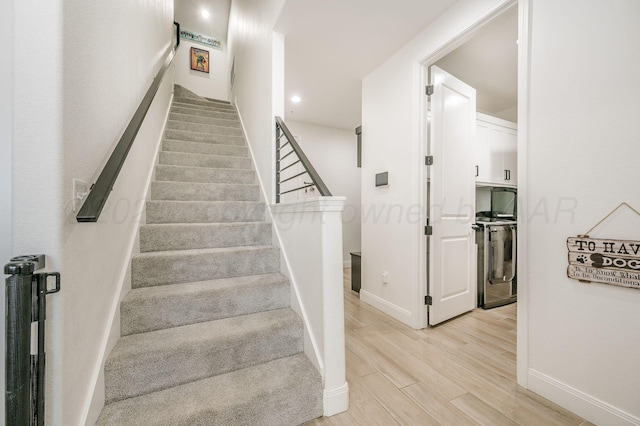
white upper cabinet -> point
(496, 151)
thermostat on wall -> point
(382, 179)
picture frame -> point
(200, 60)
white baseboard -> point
(387, 307)
(335, 400)
(586, 406)
(346, 264)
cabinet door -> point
(510, 156)
(483, 152)
(497, 152)
(504, 155)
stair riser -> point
(181, 191)
(191, 101)
(203, 212)
(203, 111)
(197, 236)
(188, 118)
(157, 308)
(203, 128)
(204, 148)
(196, 99)
(192, 136)
(197, 357)
(218, 101)
(199, 160)
(190, 267)
(204, 175)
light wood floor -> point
(462, 372)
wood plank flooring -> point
(462, 372)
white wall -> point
(215, 84)
(83, 70)
(251, 43)
(333, 153)
(38, 162)
(6, 130)
(392, 217)
(583, 148)
(96, 255)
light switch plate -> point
(80, 192)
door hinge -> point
(428, 230)
(428, 160)
(428, 301)
(429, 90)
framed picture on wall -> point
(199, 60)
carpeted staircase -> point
(208, 335)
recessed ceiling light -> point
(205, 14)
(296, 99)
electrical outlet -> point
(385, 277)
(80, 192)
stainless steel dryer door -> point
(502, 253)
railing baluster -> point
(297, 189)
(282, 130)
(290, 165)
(278, 137)
(293, 177)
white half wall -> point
(582, 162)
(213, 85)
(393, 216)
(333, 153)
(310, 236)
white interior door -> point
(452, 272)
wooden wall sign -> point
(615, 262)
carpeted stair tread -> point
(189, 118)
(203, 102)
(204, 148)
(286, 391)
(183, 266)
(195, 136)
(181, 91)
(166, 172)
(167, 211)
(154, 308)
(148, 362)
(185, 236)
(204, 160)
(204, 128)
(203, 111)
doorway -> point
(471, 59)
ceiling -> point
(189, 14)
(331, 45)
(489, 62)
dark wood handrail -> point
(315, 177)
(100, 190)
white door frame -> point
(524, 29)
